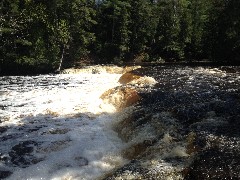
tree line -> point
(46, 35)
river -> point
(185, 123)
(56, 127)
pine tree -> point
(198, 11)
(167, 36)
(223, 34)
(143, 26)
(113, 30)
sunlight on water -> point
(57, 127)
(183, 123)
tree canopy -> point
(44, 35)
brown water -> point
(185, 126)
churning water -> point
(185, 125)
(56, 127)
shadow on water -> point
(200, 109)
(214, 120)
(34, 138)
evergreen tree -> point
(199, 17)
(223, 34)
(167, 36)
(113, 29)
(13, 41)
(143, 26)
(48, 34)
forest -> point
(40, 36)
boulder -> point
(128, 77)
(130, 68)
(120, 97)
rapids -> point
(177, 122)
(56, 127)
(185, 127)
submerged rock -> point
(128, 77)
(4, 174)
(3, 129)
(22, 154)
(121, 97)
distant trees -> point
(40, 35)
(223, 31)
(113, 34)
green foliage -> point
(168, 31)
(143, 26)
(113, 29)
(37, 35)
(223, 31)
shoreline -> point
(143, 64)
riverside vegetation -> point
(44, 36)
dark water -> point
(192, 110)
(184, 127)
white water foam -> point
(72, 136)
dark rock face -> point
(228, 69)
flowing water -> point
(186, 125)
(56, 127)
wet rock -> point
(3, 129)
(234, 126)
(81, 161)
(128, 77)
(127, 127)
(59, 131)
(121, 97)
(132, 170)
(195, 143)
(22, 154)
(4, 174)
(138, 169)
(10, 136)
(28, 128)
(135, 150)
(54, 146)
(201, 103)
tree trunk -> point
(61, 60)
